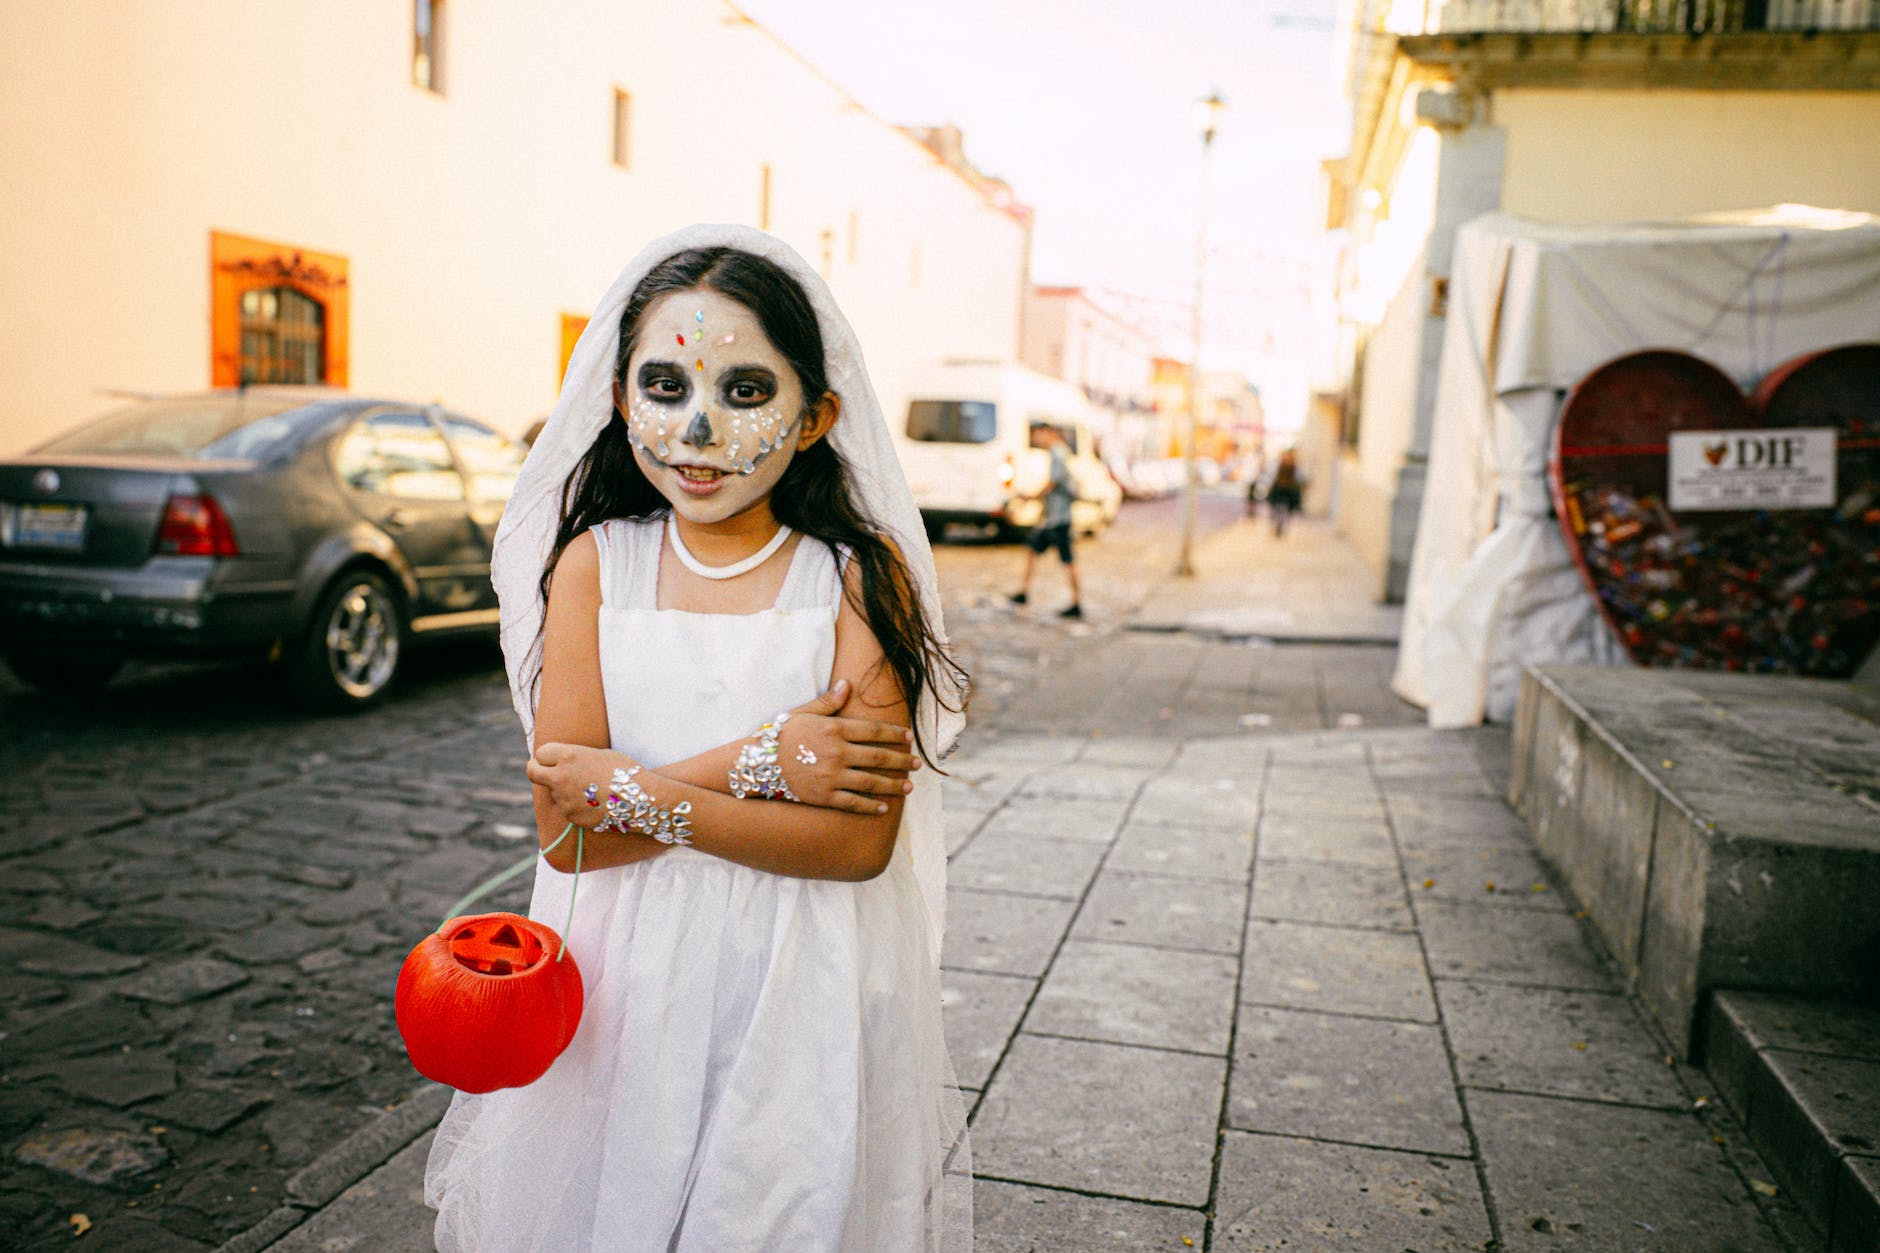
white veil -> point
(861, 437)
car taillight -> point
(1007, 472)
(195, 526)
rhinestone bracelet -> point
(757, 772)
(631, 807)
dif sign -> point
(1787, 467)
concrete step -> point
(1721, 830)
(1803, 1077)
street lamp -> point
(1208, 114)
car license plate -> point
(60, 527)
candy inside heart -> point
(1780, 591)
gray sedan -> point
(322, 530)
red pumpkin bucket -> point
(490, 1001)
(484, 1004)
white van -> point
(966, 439)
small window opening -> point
(283, 337)
(623, 117)
(427, 45)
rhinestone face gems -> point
(712, 408)
(805, 754)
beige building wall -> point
(471, 220)
(1600, 155)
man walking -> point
(1054, 528)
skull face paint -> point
(712, 408)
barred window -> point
(283, 337)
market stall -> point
(1534, 309)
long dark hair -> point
(815, 495)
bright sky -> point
(1086, 108)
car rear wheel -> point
(353, 644)
(63, 674)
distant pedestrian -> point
(1054, 528)
(705, 536)
(1283, 490)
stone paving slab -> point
(1378, 974)
(1505, 876)
(1459, 785)
(1356, 1080)
(1013, 935)
(1588, 1175)
(1129, 750)
(1566, 1043)
(1224, 801)
(1160, 910)
(1424, 822)
(962, 824)
(1350, 842)
(1095, 781)
(1094, 821)
(1496, 942)
(1081, 1115)
(1335, 894)
(1281, 1195)
(981, 1012)
(1126, 994)
(1034, 865)
(1289, 796)
(1200, 852)
(1012, 1218)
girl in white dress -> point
(710, 532)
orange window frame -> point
(238, 264)
(572, 324)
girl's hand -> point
(856, 761)
(566, 770)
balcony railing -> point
(1431, 17)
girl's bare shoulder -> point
(579, 565)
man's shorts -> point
(1043, 538)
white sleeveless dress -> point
(759, 1064)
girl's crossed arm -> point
(801, 840)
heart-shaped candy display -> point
(1773, 590)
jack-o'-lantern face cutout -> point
(495, 949)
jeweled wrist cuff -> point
(631, 807)
(757, 772)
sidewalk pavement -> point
(1308, 585)
(1251, 985)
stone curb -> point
(346, 1163)
(1227, 636)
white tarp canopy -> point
(1533, 309)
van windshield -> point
(952, 421)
